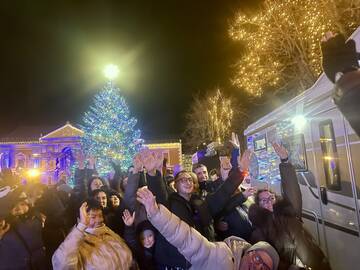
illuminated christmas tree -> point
(110, 133)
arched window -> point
(20, 161)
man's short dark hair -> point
(95, 192)
(198, 165)
(93, 204)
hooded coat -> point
(201, 253)
(197, 212)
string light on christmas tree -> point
(110, 132)
(282, 42)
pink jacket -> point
(201, 253)
(98, 248)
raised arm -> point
(67, 255)
(290, 187)
(156, 184)
(153, 161)
(218, 200)
(130, 191)
(190, 243)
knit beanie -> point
(265, 246)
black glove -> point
(338, 56)
(347, 98)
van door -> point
(336, 191)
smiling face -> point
(267, 200)
(96, 218)
(101, 198)
(147, 238)
(202, 173)
(184, 184)
(96, 184)
(115, 202)
(256, 260)
(19, 209)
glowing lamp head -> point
(299, 122)
(111, 71)
(32, 173)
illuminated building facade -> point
(50, 154)
(27, 149)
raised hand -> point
(249, 192)
(145, 197)
(328, 35)
(80, 158)
(149, 160)
(84, 216)
(159, 157)
(92, 161)
(4, 228)
(128, 218)
(280, 150)
(138, 164)
(235, 140)
(244, 160)
(225, 167)
(225, 163)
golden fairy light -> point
(220, 116)
(282, 42)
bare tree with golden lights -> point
(282, 42)
(212, 119)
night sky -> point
(52, 55)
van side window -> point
(330, 155)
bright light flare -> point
(32, 173)
(111, 71)
(299, 122)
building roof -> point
(27, 134)
(67, 130)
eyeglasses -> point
(267, 200)
(183, 180)
(258, 261)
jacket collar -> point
(97, 231)
(238, 247)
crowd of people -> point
(152, 218)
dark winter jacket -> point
(197, 212)
(79, 195)
(236, 216)
(129, 199)
(113, 219)
(210, 186)
(22, 247)
(53, 206)
(144, 256)
(283, 228)
(340, 55)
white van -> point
(326, 153)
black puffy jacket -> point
(283, 227)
